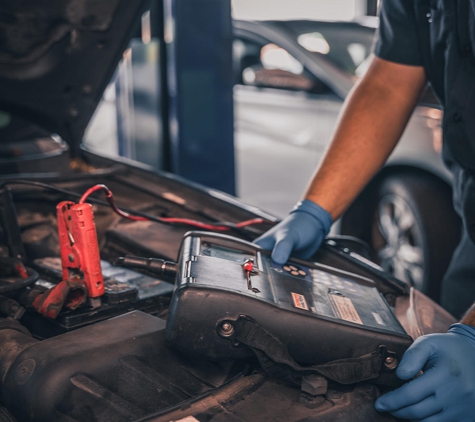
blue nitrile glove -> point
(302, 231)
(445, 392)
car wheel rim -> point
(399, 242)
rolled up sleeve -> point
(397, 38)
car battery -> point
(319, 313)
(125, 290)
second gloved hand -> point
(446, 390)
(302, 231)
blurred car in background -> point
(291, 80)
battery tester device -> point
(231, 301)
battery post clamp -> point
(80, 261)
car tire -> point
(409, 221)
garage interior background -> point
(138, 119)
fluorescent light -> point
(314, 42)
(297, 9)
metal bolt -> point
(71, 258)
(226, 329)
(315, 385)
(390, 362)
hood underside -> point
(57, 57)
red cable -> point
(21, 270)
(249, 222)
(171, 220)
(94, 189)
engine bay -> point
(39, 242)
(109, 358)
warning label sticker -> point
(344, 309)
(299, 301)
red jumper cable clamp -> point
(80, 261)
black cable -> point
(45, 186)
(79, 195)
(33, 277)
(246, 230)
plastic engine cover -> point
(117, 370)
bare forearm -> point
(469, 317)
(370, 126)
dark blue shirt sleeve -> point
(397, 38)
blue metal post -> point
(200, 78)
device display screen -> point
(222, 252)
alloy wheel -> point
(398, 240)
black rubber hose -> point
(33, 276)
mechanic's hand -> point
(302, 231)
(446, 390)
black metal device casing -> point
(211, 290)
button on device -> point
(295, 270)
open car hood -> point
(57, 57)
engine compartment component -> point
(119, 370)
(125, 290)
